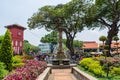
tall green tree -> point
(1, 38)
(29, 47)
(68, 17)
(6, 53)
(105, 14)
(50, 38)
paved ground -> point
(61, 74)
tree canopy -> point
(104, 14)
(69, 17)
(29, 47)
(50, 38)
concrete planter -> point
(45, 74)
(60, 61)
(80, 75)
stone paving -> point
(61, 74)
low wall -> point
(45, 74)
(61, 66)
(80, 75)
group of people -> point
(48, 58)
(43, 57)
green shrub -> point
(115, 71)
(96, 68)
(85, 62)
(6, 52)
(25, 57)
(92, 66)
(17, 62)
(3, 72)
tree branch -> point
(102, 21)
(118, 25)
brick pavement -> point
(61, 74)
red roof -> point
(90, 44)
(113, 45)
(15, 25)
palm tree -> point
(116, 38)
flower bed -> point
(30, 71)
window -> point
(16, 43)
(20, 43)
(19, 33)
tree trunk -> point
(69, 44)
(60, 47)
(111, 33)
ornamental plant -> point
(6, 52)
(85, 62)
(25, 57)
(3, 71)
(17, 62)
(115, 71)
(93, 66)
(30, 71)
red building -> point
(17, 34)
(90, 46)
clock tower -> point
(17, 34)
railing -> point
(80, 75)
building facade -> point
(90, 46)
(96, 48)
(45, 48)
(17, 34)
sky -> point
(18, 12)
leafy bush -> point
(17, 62)
(115, 71)
(29, 71)
(85, 62)
(3, 72)
(102, 67)
(93, 66)
(96, 68)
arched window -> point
(16, 43)
(20, 43)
